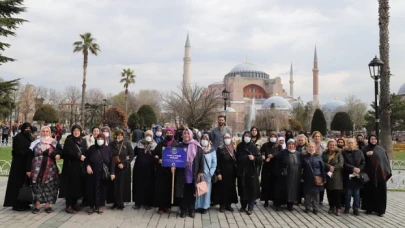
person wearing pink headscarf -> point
(44, 172)
(163, 175)
(186, 178)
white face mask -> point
(273, 140)
(45, 137)
(227, 141)
(247, 139)
(148, 139)
(158, 133)
(106, 134)
(100, 142)
(204, 143)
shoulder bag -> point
(214, 177)
(26, 194)
(117, 159)
(105, 172)
(201, 186)
(318, 180)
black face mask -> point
(340, 146)
(169, 137)
(28, 132)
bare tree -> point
(95, 96)
(26, 104)
(72, 96)
(272, 120)
(193, 105)
(151, 98)
(356, 109)
(385, 103)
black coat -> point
(224, 191)
(163, 178)
(248, 176)
(20, 164)
(143, 175)
(268, 177)
(73, 170)
(180, 176)
(119, 190)
(312, 165)
(352, 159)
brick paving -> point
(262, 217)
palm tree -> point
(385, 115)
(85, 44)
(128, 77)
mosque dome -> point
(401, 90)
(333, 105)
(280, 103)
(247, 70)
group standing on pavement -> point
(283, 170)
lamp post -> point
(104, 106)
(375, 73)
(225, 96)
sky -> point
(149, 37)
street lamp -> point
(375, 67)
(104, 106)
(225, 96)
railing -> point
(6, 165)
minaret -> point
(187, 63)
(291, 82)
(315, 72)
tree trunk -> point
(385, 116)
(85, 58)
(126, 102)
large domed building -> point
(401, 91)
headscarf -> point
(169, 143)
(155, 137)
(230, 148)
(192, 147)
(25, 126)
(282, 145)
(77, 139)
(208, 148)
(148, 132)
(46, 142)
(369, 142)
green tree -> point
(115, 117)
(318, 122)
(385, 103)
(128, 77)
(47, 114)
(86, 44)
(341, 122)
(295, 125)
(6, 101)
(8, 23)
(148, 115)
(303, 113)
(134, 120)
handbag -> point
(26, 194)
(363, 178)
(201, 187)
(318, 180)
(214, 177)
(105, 172)
(117, 159)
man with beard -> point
(360, 141)
(217, 134)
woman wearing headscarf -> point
(123, 154)
(210, 165)
(96, 188)
(163, 175)
(143, 173)
(74, 153)
(107, 133)
(288, 135)
(91, 138)
(187, 178)
(158, 134)
(44, 171)
(256, 137)
(312, 165)
(248, 160)
(288, 171)
(282, 143)
(354, 163)
(379, 171)
(20, 168)
(224, 191)
(268, 177)
(333, 161)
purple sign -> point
(174, 157)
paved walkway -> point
(262, 217)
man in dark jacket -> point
(353, 165)
(137, 134)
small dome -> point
(401, 90)
(279, 103)
(228, 109)
(248, 70)
(333, 106)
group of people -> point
(97, 169)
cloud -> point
(149, 37)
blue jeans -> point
(355, 192)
